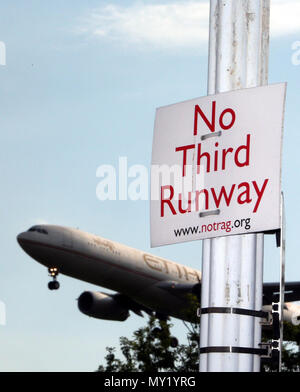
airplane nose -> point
(33, 246)
(20, 238)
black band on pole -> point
(232, 349)
(244, 312)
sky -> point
(79, 89)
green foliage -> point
(290, 359)
(291, 333)
(290, 352)
(290, 349)
(151, 350)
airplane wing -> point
(270, 290)
(180, 289)
(117, 306)
(131, 305)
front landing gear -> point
(54, 284)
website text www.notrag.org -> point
(216, 226)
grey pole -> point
(232, 267)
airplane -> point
(143, 282)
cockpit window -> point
(38, 229)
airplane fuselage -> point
(111, 265)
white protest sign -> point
(216, 165)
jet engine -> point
(102, 306)
(291, 312)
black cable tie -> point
(240, 311)
(233, 349)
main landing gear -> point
(54, 284)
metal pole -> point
(282, 276)
(232, 267)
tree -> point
(290, 349)
(154, 349)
